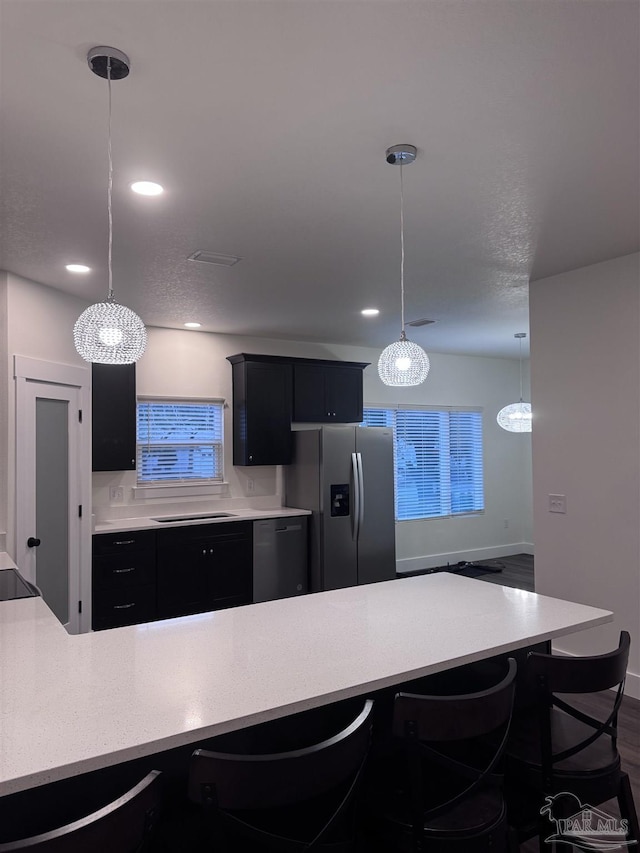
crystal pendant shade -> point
(403, 363)
(516, 417)
(109, 333)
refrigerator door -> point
(377, 535)
(338, 503)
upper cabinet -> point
(261, 411)
(327, 392)
(113, 417)
(269, 392)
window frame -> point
(185, 487)
(445, 495)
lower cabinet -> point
(204, 567)
(142, 575)
(124, 579)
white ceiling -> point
(267, 123)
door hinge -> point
(79, 607)
(80, 511)
(79, 415)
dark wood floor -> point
(515, 571)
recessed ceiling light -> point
(370, 312)
(78, 268)
(147, 188)
(192, 325)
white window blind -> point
(438, 460)
(179, 441)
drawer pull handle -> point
(125, 542)
(124, 571)
(124, 606)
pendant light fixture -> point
(107, 332)
(516, 417)
(402, 363)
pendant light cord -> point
(402, 251)
(520, 342)
(110, 186)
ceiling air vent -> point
(213, 258)
(422, 322)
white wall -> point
(585, 375)
(194, 364)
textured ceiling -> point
(267, 123)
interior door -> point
(52, 507)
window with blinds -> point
(437, 458)
(179, 441)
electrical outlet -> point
(251, 485)
(557, 503)
(116, 494)
(506, 523)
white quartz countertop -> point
(119, 525)
(70, 704)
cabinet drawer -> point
(113, 608)
(124, 542)
(121, 570)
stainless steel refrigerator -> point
(344, 475)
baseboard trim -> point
(430, 561)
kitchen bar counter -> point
(119, 525)
(71, 704)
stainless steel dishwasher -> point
(280, 558)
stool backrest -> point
(268, 780)
(553, 675)
(125, 826)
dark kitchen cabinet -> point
(262, 402)
(124, 579)
(327, 393)
(204, 567)
(269, 392)
(113, 417)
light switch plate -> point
(557, 503)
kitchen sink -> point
(175, 518)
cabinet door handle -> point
(124, 606)
(124, 571)
(125, 542)
(204, 552)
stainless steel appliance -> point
(279, 558)
(344, 475)
(13, 585)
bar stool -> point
(300, 798)
(438, 783)
(557, 749)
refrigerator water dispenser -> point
(340, 500)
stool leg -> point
(628, 809)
